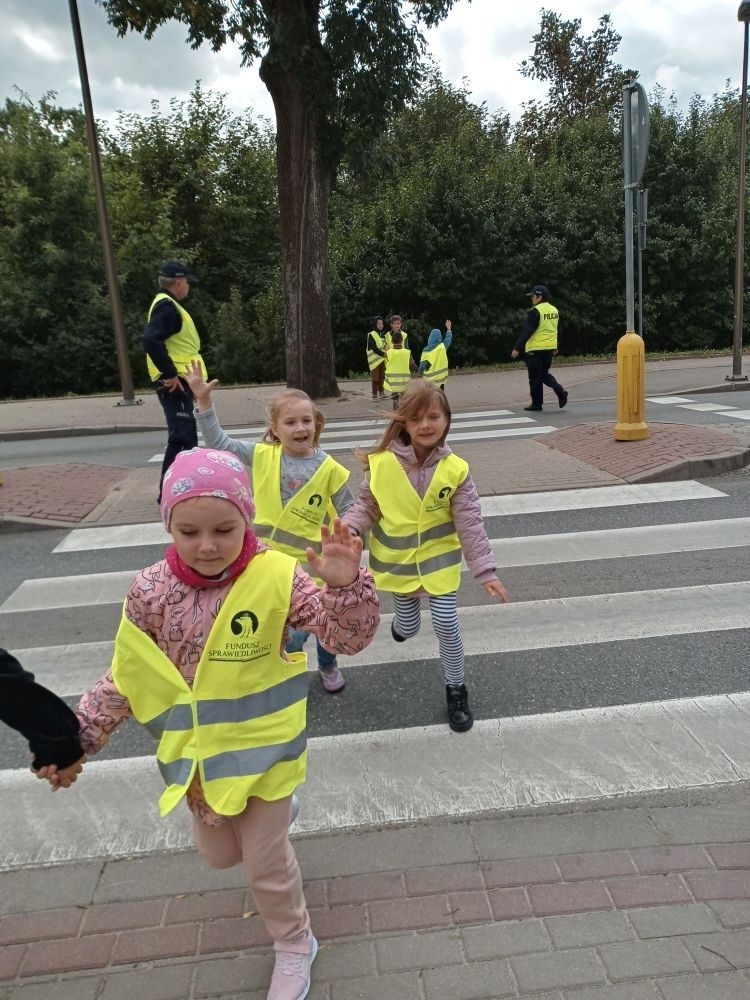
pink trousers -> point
(259, 838)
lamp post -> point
(743, 14)
(121, 345)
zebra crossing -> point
(346, 435)
(600, 636)
(688, 403)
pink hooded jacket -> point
(465, 508)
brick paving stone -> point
(59, 989)
(717, 986)
(600, 864)
(525, 871)
(153, 943)
(469, 907)
(721, 951)
(645, 959)
(559, 970)
(509, 904)
(623, 991)
(446, 878)
(505, 939)
(656, 860)
(104, 917)
(338, 921)
(731, 912)
(166, 982)
(647, 890)
(36, 926)
(65, 493)
(730, 855)
(233, 934)
(356, 888)
(239, 974)
(343, 960)
(418, 951)
(316, 893)
(206, 906)
(68, 954)
(124, 879)
(569, 897)
(409, 914)
(397, 986)
(585, 930)
(719, 885)
(475, 981)
(59, 886)
(11, 957)
(670, 921)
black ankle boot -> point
(396, 636)
(460, 718)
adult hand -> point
(495, 589)
(199, 387)
(514, 353)
(340, 556)
(61, 778)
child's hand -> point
(200, 388)
(495, 589)
(341, 552)
(61, 778)
(448, 325)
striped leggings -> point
(444, 612)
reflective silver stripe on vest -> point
(398, 379)
(400, 542)
(254, 706)
(438, 375)
(298, 542)
(256, 760)
(177, 772)
(411, 569)
(176, 718)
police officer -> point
(538, 340)
(172, 343)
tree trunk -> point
(304, 181)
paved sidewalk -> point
(647, 903)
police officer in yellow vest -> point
(539, 342)
(171, 343)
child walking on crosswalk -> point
(422, 509)
(200, 661)
(296, 485)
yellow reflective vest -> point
(544, 338)
(375, 360)
(438, 370)
(294, 526)
(183, 347)
(243, 725)
(397, 370)
(414, 545)
(389, 340)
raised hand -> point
(200, 388)
(339, 559)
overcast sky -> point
(687, 46)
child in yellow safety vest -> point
(423, 508)
(433, 364)
(399, 367)
(296, 485)
(199, 659)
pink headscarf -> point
(202, 472)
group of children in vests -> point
(390, 360)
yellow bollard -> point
(631, 389)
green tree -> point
(335, 71)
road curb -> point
(695, 468)
(63, 432)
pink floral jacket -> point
(179, 617)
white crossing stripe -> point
(490, 628)
(669, 399)
(738, 415)
(705, 407)
(153, 533)
(375, 779)
(530, 550)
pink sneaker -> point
(333, 679)
(291, 974)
